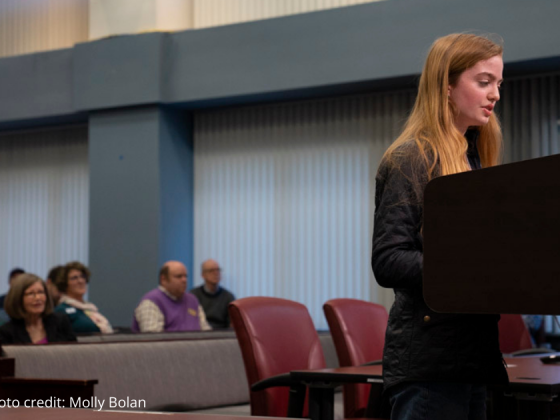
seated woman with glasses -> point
(84, 316)
(32, 320)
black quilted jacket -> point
(420, 344)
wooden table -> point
(322, 382)
(82, 414)
(534, 385)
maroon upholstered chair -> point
(276, 336)
(358, 331)
(514, 334)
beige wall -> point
(117, 17)
(223, 12)
(29, 26)
(39, 25)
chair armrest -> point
(283, 379)
(373, 363)
(297, 392)
(528, 352)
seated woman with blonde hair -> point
(30, 308)
(84, 316)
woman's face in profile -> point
(77, 284)
(476, 92)
(34, 299)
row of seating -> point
(277, 336)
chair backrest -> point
(514, 334)
(358, 331)
(276, 336)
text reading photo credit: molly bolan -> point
(79, 402)
(99, 404)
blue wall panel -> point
(311, 53)
(117, 71)
(124, 211)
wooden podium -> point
(492, 240)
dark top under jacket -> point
(420, 344)
(215, 305)
(57, 327)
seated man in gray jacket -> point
(214, 298)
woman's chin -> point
(78, 296)
(36, 312)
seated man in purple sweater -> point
(169, 307)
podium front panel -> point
(492, 239)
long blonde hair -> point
(440, 145)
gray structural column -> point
(141, 203)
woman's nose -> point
(495, 94)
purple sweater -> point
(180, 315)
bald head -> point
(173, 278)
(211, 273)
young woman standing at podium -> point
(436, 365)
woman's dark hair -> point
(55, 273)
(62, 280)
(15, 272)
